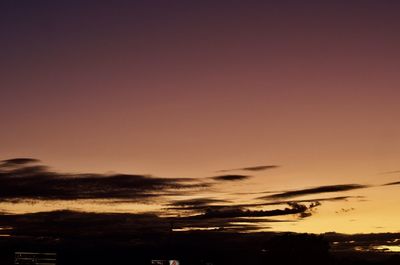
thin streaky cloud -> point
(392, 183)
(253, 168)
(315, 190)
(230, 177)
(196, 202)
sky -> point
(204, 110)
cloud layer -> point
(22, 179)
(25, 179)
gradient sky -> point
(184, 89)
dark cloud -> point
(199, 206)
(254, 168)
(339, 198)
(314, 200)
(234, 224)
(196, 202)
(229, 212)
(260, 168)
(204, 205)
(316, 190)
(230, 177)
(68, 224)
(26, 182)
(392, 183)
(65, 224)
(17, 161)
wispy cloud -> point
(315, 190)
(196, 202)
(392, 183)
(230, 177)
(253, 168)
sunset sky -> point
(236, 106)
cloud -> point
(229, 212)
(253, 168)
(206, 213)
(196, 202)
(18, 161)
(198, 205)
(204, 204)
(24, 181)
(259, 168)
(392, 183)
(230, 177)
(316, 190)
(339, 198)
(66, 224)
